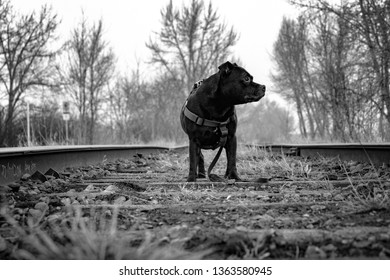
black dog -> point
(209, 117)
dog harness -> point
(220, 127)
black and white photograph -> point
(195, 139)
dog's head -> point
(234, 85)
(238, 85)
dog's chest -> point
(208, 137)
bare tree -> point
(142, 110)
(334, 55)
(130, 108)
(329, 72)
(166, 123)
(290, 56)
(192, 41)
(25, 58)
(91, 65)
(367, 22)
(375, 26)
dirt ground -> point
(143, 208)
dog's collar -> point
(201, 121)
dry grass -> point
(95, 238)
(368, 197)
(259, 161)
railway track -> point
(15, 162)
(141, 207)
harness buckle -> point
(199, 121)
(224, 131)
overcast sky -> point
(129, 24)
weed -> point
(104, 160)
(241, 245)
(95, 237)
(368, 197)
(256, 250)
(375, 199)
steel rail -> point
(361, 152)
(15, 162)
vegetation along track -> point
(142, 208)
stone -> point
(45, 199)
(266, 217)
(231, 181)
(5, 189)
(329, 247)
(111, 189)
(120, 200)
(90, 188)
(15, 187)
(52, 173)
(318, 207)
(17, 217)
(38, 176)
(108, 213)
(25, 177)
(54, 217)
(33, 192)
(314, 253)
(42, 206)
(66, 201)
(35, 214)
(338, 197)
(60, 182)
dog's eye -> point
(247, 79)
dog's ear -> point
(227, 67)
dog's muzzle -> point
(258, 93)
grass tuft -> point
(94, 238)
(368, 197)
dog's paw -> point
(191, 179)
(233, 176)
(201, 175)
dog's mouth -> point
(251, 99)
(254, 98)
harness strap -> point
(215, 160)
(201, 121)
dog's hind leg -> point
(193, 150)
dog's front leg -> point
(231, 154)
(193, 149)
(201, 170)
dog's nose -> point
(262, 88)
